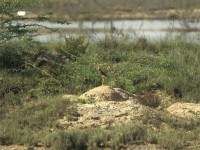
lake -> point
(150, 29)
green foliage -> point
(96, 138)
(15, 54)
(32, 117)
(13, 26)
(72, 48)
(169, 131)
(10, 29)
(71, 66)
(130, 134)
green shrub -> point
(72, 48)
(130, 133)
(31, 118)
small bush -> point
(72, 48)
(131, 133)
(149, 99)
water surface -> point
(150, 29)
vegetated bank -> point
(34, 75)
(71, 66)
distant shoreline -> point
(133, 15)
(170, 14)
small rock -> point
(39, 144)
(126, 95)
(72, 118)
(95, 117)
(187, 110)
(120, 114)
(107, 120)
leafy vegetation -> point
(11, 27)
(72, 67)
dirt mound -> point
(114, 105)
(110, 105)
(106, 93)
(102, 114)
(186, 110)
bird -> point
(102, 74)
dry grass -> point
(149, 99)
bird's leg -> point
(103, 80)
